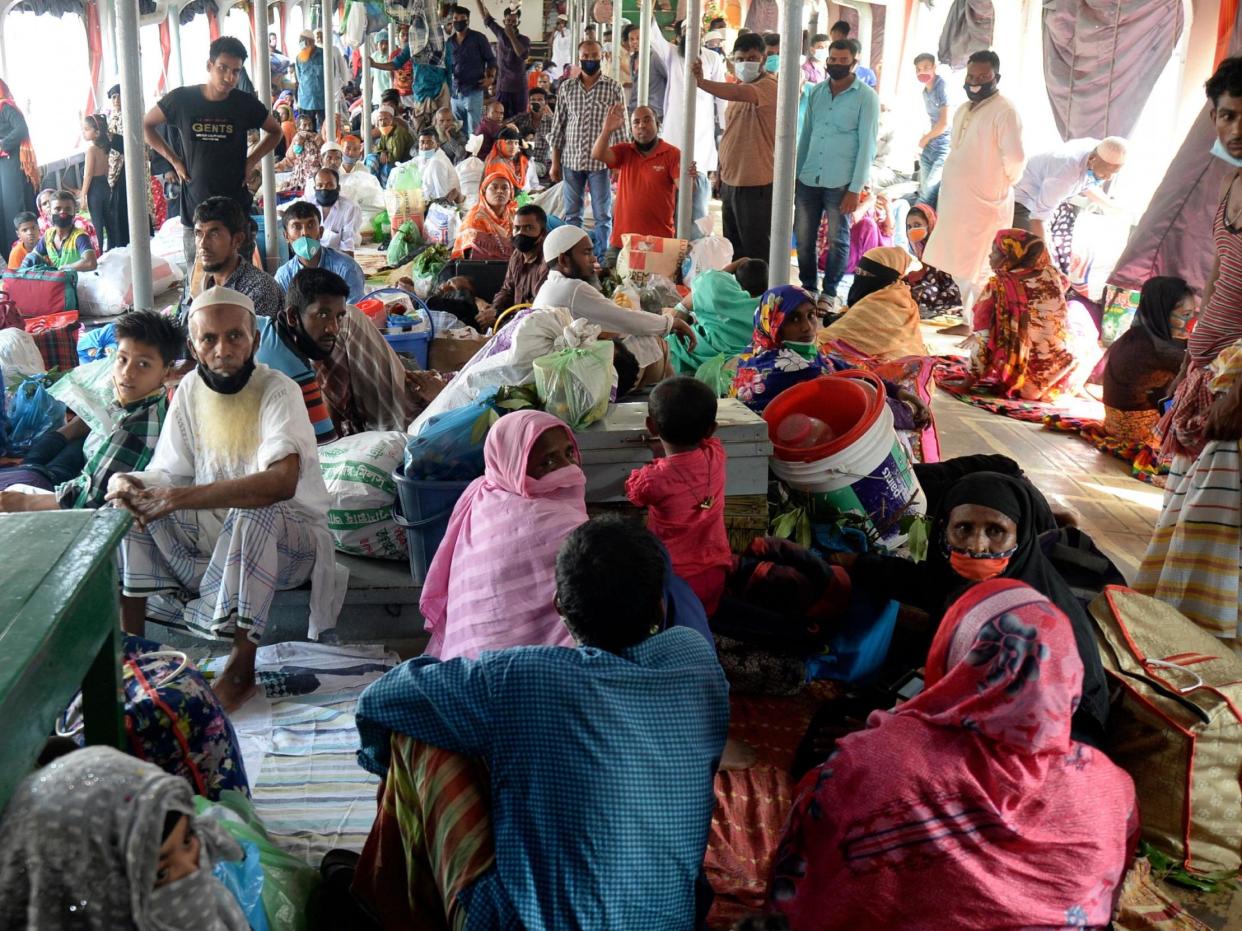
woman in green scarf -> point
(721, 310)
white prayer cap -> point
(306, 34)
(1112, 150)
(220, 295)
(330, 146)
(716, 35)
(561, 240)
(385, 108)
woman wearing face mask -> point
(100, 841)
(971, 805)
(934, 291)
(987, 525)
(487, 231)
(507, 154)
(492, 582)
(881, 317)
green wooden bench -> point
(59, 631)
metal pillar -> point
(576, 27)
(689, 104)
(616, 41)
(329, 72)
(263, 85)
(786, 144)
(645, 23)
(367, 92)
(177, 72)
(137, 180)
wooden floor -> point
(1118, 511)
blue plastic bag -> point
(97, 343)
(32, 412)
(860, 640)
(244, 880)
(450, 445)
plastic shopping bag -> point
(88, 391)
(404, 241)
(32, 413)
(450, 445)
(576, 384)
(244, 880)
(717, 373)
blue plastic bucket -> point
(423, 509)
(406, 338)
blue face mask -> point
(772, 64)
(305, 248)
(297, 148)
(1092, 179)
(1219, 150)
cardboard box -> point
(450, 353)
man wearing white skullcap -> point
(232, 507)
(573, 284)
(393, 145)
(1079, 166)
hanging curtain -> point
(1175, 235)
(94, 52)
(1102, 58)
(165, 51)
(967, 29)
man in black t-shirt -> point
(212, 120)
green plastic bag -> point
(404, 241)
(379, 228)
(288, 882)
(717, 373)
(576, 384)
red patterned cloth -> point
(59, 346)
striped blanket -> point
(1194, 559)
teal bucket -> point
(422, 509)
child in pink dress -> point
(684, 490)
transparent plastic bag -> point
(576, 384)
(717, 373)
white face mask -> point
(1219, 150)
(747, 71)
(821, 55)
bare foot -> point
(233, 691)
(737, 755)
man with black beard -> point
(352, 381)
(233, 506)
(221, 229)
(573, 284)
(649, 170)
(527, 270)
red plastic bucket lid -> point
(841, 400)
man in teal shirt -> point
(835, 150)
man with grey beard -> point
(232, 507)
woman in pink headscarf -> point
(968, 806)
(492, 583)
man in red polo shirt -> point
(648, 171)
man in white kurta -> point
(233, 506)
(708, 110)
(976, 189)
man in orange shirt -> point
(649, 170)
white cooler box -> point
(614, 447)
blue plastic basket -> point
(423, 509)
(409, 339)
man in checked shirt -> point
(582, 105)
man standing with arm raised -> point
(511, 50)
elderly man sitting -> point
(573, 284)
(440, 179)
(340, 216)
(232, 507)
(351, 379)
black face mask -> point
(226, 384)
(646, 146)
(295, 335)
(327, 198)
(62, 222)
(524, 243)
(535, 106)
(459, 26)
(837, 72)
(589, 66)
(983, 93)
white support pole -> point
(617, 51)
(137, 180)
(367, 102)
(329, 72)
(263, 85)
(576, 28)
(786, 144)
(689, 104)
(177, 72)
(645, 25)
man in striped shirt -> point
(582, 105)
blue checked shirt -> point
(601, 773)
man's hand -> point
(683, 330)
(849, 202)
(923, 140)
(554, 172)
(182, 172)
(1224, 419)
(486, 315)
(615, 118)
(696, 69)
(150, 504)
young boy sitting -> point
(684, 490)
(27, 226)
(147, 346)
